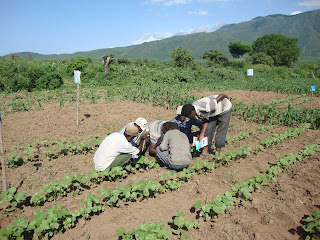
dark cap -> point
(187, 109)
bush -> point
(78, 63)
(260, 58)
(124, 61)
(225, 73)
(49, 81)
(236, 64)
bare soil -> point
(275, 212)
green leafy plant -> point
(312, 226)
(181, 225)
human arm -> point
(142, 142)
(165, 142)
(152, 148)
(221, 96)
(204, 128)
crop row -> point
(269, 114)
(77, 183)
(51, 151)
(44, 225)
(242, 191)
(169, 97)
(158, 95)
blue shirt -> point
(186, 128)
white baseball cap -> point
(142, 123)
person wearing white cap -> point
(185, 124)
(141, 124)
(116, 150)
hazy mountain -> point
(304, 26)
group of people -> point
(170, 141)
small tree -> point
(107, 59)
(260, 58)
(182, 58)
(239, 48)
(215, 57)
(283, 50)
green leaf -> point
(121, 231)
(179, 221)
(309, 219)
(181, 213)
(165, 233)
(197, 204)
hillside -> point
(304, 26)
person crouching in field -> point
(155, 133)
(116, 150)
(141, 123)
(185, 124)
(215, 113)
(174, 150)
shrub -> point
(260, 58)
(78, 63)
(49, 81)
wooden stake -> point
(250, 87)
(3, 164)
(78, 86)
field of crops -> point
(265, 185)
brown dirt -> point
(273, 213)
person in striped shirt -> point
(215, 113)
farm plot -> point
(251, 147)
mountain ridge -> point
(304, 26)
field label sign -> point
(249, 72)
(77, 74)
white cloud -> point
(295, 13)
(198, 12)
(310, 3)
(148, 37)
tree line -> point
(268, 53)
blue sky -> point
(68, 26)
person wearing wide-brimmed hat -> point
(215, 113)
(116, 150)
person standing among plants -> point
(116, 150)
(174, 150)
(215, 113)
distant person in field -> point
(174, 150)
(154, 130)
(141, 124)
(116, 150)
(185, 124)
(215, 113)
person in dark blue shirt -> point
(185, 124)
